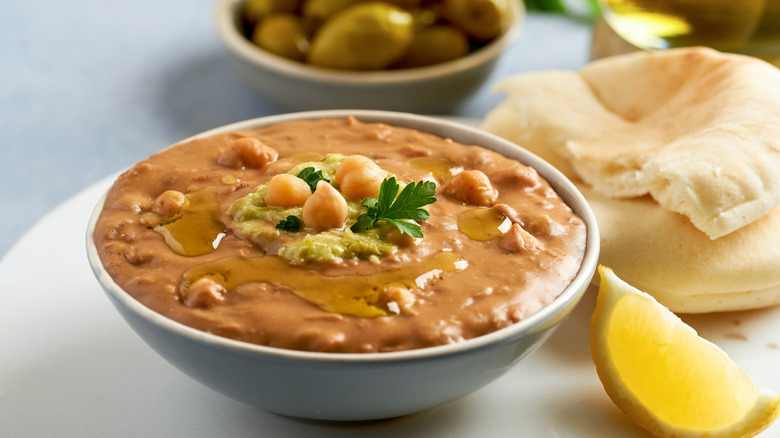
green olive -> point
(482, 20)
(321, 10)
(255, 10)
(365, 36)
(406, 4)
(283, 35)
(318, 11)
(435, 44)
(424, 17)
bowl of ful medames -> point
(343, 265)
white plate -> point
(69, 366)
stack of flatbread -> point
(678, 153)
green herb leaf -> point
(292, 223)
(407, 205)
(407, 228)
(364, 222)
(370, 202)
(312, 176)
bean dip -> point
(193, 234)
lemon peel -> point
(665, 377)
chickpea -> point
(280, 166)
(400, 295)
(359, 177)
(472, 187)
(351, 163)
(543, 225)
(285, 190)
(519, 175)
(519, 240)
(204, 293)
(169, 202)
(325, 208)
(362, 183)
(248, 152)
(509, 212)
(395, 298)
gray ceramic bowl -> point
(347, 387)
(294, 86)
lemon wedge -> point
(665, 377)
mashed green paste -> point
(258, 221)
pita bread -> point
(661, 253)
(696, 129)
(624, 149)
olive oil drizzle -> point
(483, 224)
(440, 168)
(197, 229)
(354, 295)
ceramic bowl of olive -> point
(421, 56)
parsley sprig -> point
(312, 176)
(291, 223)
(391, 209)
